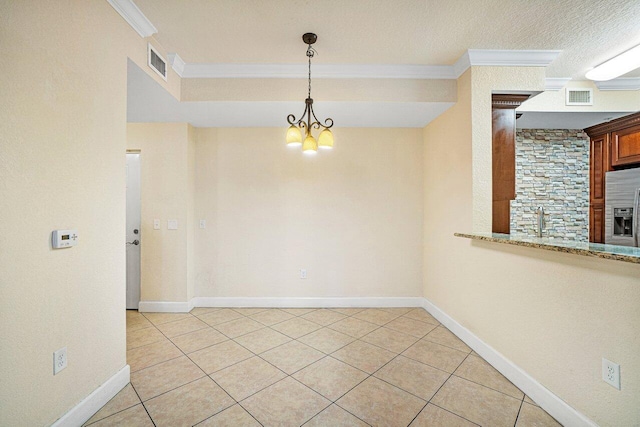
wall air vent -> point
(157, 62)
(579, 97)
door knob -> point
(135, 242)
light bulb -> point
(310, 145)
(325, 139)
(294, 136)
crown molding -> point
(512, 58)
(323, 71)
(624, 83)
(555, 83)
(134, 17)
(177, 63)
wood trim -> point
(507, 101)
(613, 125)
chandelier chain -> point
(310, 53)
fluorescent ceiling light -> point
(615, 67)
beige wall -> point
(62, 165)
(554, 315)
(351, 217)
(167, 179)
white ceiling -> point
(421, 32)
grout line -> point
(519, 409)
(490, 388)
(451, 412)
(144, 407)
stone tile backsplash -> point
(552, 171)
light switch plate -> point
(156, 224)
(203, 223)
(172, 224)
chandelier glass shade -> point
(294, 136)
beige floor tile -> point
(391, 340)
(189, 404)
(376, 316)
(415, 377)
(143, 337)
(137, 322)
(179, 327)
(443, 336)
(271, 317)
(335, 416)
(133, 417)
(286, 403)
(234, 416)
(160, 318)
(219, 356)
(131, 314)
(151, 354)
(220, 316)
(528, 399)
(262, 340)
(436, 355)
(239, 327)
(412, 327)
(248, 311)
(477, 403)
(330, 377)
(479, 371)
(324, 317)
(160, 378)
(534, 416)
(292, 356)
(296, 327)
(399, 310)
(364, 356)
(348, 311)
(247, 377)
(298, 311)
(126, 398)
(203, 310)
(432, 416)
(354, 327)
(326, 340)
(194, 341)
(422, 315)
(381, 404)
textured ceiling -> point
(429, 32)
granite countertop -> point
(619, 253)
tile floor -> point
(313, 367)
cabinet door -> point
(625, 147)
(596, 224)
(599, 160)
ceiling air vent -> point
(579, 97)
(157, 62)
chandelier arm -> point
(327, 120)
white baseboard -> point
(548, 401)
(165, 306)
(308, 302)
(91, 404)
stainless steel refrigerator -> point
(622, 210)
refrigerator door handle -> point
(636, 216)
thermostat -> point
(64, 238)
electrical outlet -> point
(172, 224)
(611, 373)
(303, 274)
(156, 224)
(59, 360)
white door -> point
(133, 230)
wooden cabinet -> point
(614, 145)
(503, 126)
(625, 146)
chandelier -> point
(294, 133)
